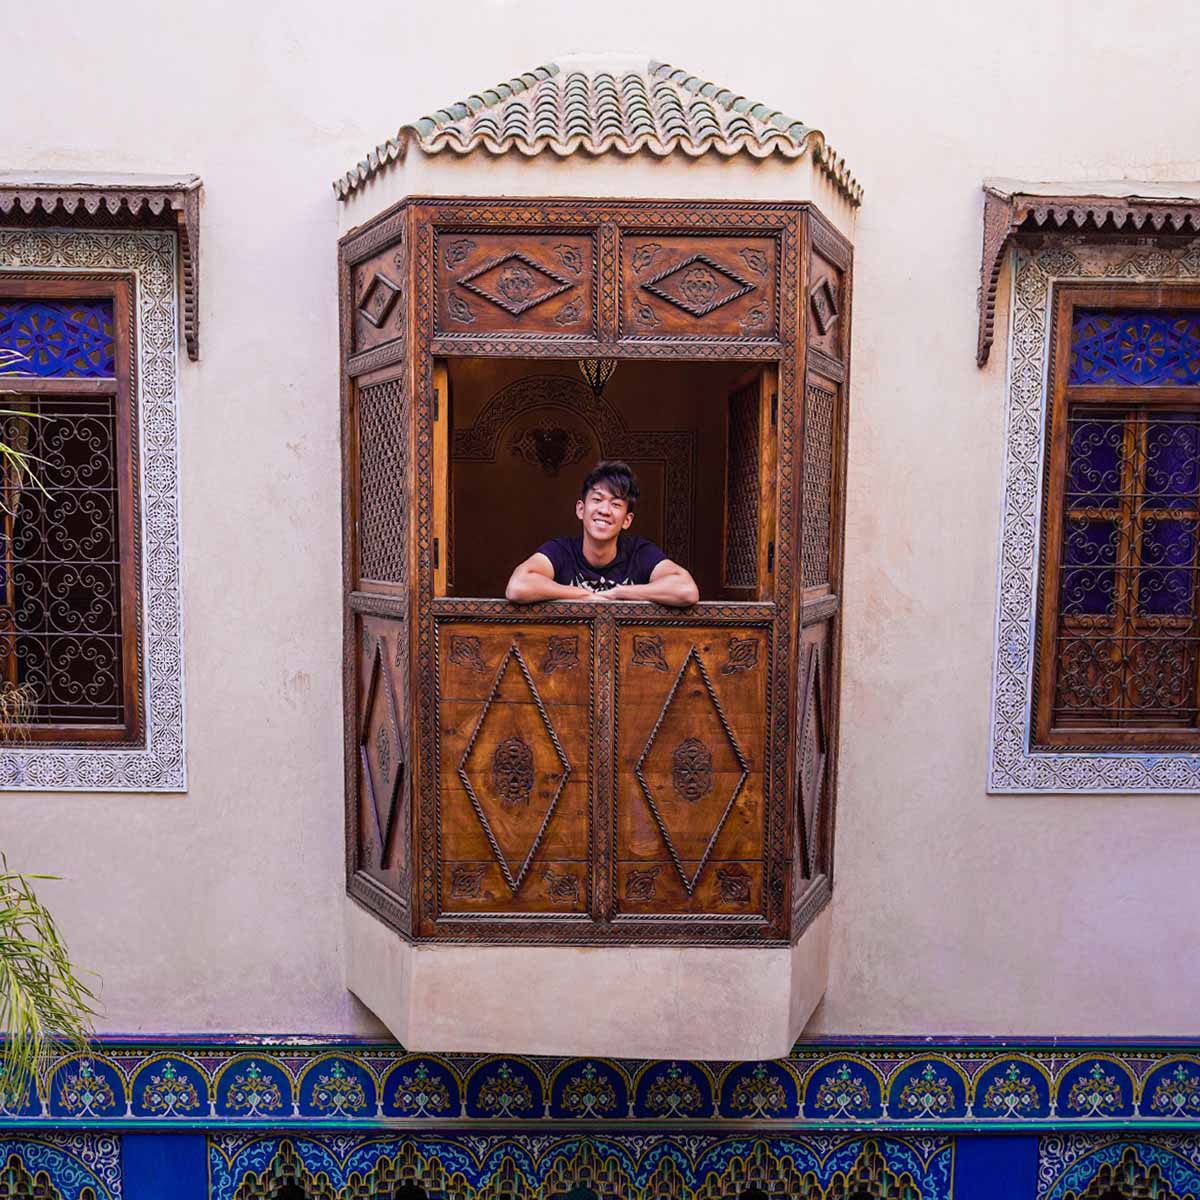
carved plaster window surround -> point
(148, 257)
(1104, 239)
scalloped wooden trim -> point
(143, 203)
(1007, 215)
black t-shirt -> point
(636, 558)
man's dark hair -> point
(617, 476)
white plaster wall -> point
(955, 912)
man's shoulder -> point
(560, 549)
(636, 545)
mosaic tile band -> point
(271, 1083)
(563, 1165)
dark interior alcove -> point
(524, 433)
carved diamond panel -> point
(521, 283)
(824, 306)
(381, 750)
(377, 296)
(515, 283)
(676, 285)
(811, 759)
(692, 769)
(514, 768)
(698, 285)
(378, 300)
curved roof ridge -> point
(611, 103)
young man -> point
(605, 562)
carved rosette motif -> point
(562, 654)
(733, 883)
(561, 886)
(515, 283)
(742, 656)
(698, 285)
(467, 652)
(512, 771)
(692, 770)
(466, 881)
(639, 885)
(649, 651)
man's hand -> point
(669, 584)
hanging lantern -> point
(597, 372)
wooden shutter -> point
(748, 545)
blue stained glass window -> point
(1173, 459)
(1165, 576)
(1089, 559)
(1138, 348)
(57, 339)
(1094, 470)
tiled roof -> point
(608, 105)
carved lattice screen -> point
(382, 466)
(742, 489)
(815, 511)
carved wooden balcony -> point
(558, 815)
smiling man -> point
(604, 562)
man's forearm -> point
(531, 588)
(678, 591)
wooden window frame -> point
(1064, 397)
(123, 387)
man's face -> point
(603, 515)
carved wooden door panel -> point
(702, 286)
(382, 850)
(514, 708)
(691, 750)
(376, 412)
(519, 283)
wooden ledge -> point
(148, 201)
(1126, 208)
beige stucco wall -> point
(955, 912)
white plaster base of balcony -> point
(613, 1001)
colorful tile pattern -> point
(1079, 1166)
(75, 1164)
(274, 1082)
(615, 1167)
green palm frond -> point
(16, 464)
(44, 1004)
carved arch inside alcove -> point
(673, 450)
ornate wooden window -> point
(1119, 633)
(592, 772)
(69, 619)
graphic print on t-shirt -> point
(634, 562)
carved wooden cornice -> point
(1011, 210)
(153, 201)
